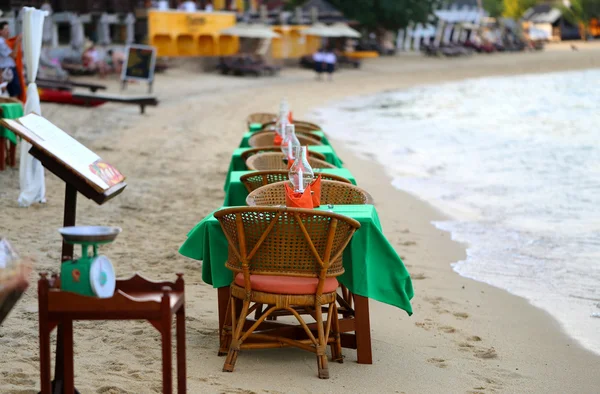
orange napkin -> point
(298, 200)
(277, 140)
(290, 163)
(315, 186)
(290, 117)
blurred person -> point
(209, 7)
(91, 59)
(319, 59)
(115, 60)
(330, 60)
(8, 57)
(187, 6)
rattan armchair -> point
(288, 259)
(274, 161)
(254, 180)
(298, 134)
(332, 192)
(261, 117)
(262, 139)
(300, 125)
(252, 151)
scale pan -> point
(89, 234)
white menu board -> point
(41, 132)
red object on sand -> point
(66, 97)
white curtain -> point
(31, 171)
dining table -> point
(373, 270)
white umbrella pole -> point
(31, 171)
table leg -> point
(363, 330)
(223, 295)
(45, 363)
(181, 371)
(167, 366)
(12, 154)
(69, 374)
(2, 153)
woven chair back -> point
(261, 117)
(332, 192)
(254, 180)
(286, 241)
(252, 151)
(308, 134)
(262, 139)
(274, 161)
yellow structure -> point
(292, 43)
(177, 33)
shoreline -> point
(465, 336)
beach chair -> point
(142, 100)
(57, 84)
(254, 180)
(289, 259)
(261, 139)
(252, 151)
(275, 161)
(332, 192)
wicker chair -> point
(259, 140)
(260, 117)
(274, 161)
(288, 259)
(332, 192)
(254, 180)
(298, 134)
(300, 125)
(252, 151)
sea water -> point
(514, 162)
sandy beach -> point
(464, 336)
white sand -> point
(464, 336)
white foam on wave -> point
(515, 163)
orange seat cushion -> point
(286, 284)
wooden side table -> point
(135, 299)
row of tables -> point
(373, 269)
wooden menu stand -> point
(135, 299)
(73, 184)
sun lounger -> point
(142, 101)
(67, 84)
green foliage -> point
(386, 14)
(494, 7)
(516, 8)
(581, 12)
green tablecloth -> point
(246, 137)
(373, 268)
(237, 164)
(11, 111)
(236, 192)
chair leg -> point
(323, 368)
(181, 370)
(336, 346)
(236, 332)
(69, 374)
(166, 357)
